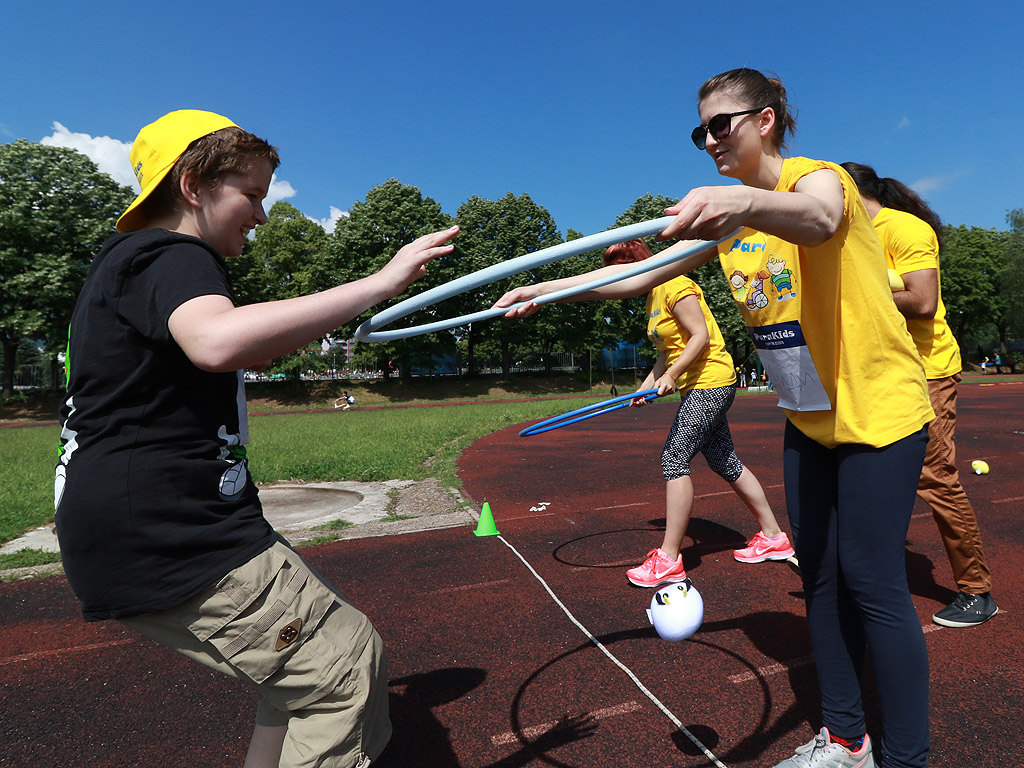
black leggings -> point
(849, 508)
(701, 425)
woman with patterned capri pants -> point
(693, 361)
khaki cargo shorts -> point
(316, 660)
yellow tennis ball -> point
(979, 467)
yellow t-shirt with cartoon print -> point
(909, 245)
(713, 368)
(825, 326)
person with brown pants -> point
(910, 233)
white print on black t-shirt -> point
(235, 477)
(68, 445)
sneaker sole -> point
(655, 585)
(950, 623)
(762, 558)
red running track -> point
(486, 668)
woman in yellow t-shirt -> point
(693, 361)
(911, 235)
(813, 291)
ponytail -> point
(893, 194)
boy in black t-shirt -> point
(160, 525)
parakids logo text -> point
(778, 336)
(739, 245)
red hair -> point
(627, 252)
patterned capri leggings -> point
(701, 425)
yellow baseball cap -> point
(157, 148)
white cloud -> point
(940, 182)
(331, 221)
(279, 190)
(110, 155)
(903, 123)
(937, 183)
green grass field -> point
(362, 445)
(27, 457)
(388, 444)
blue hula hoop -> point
(587, 412)
(369, 330)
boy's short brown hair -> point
(212, 158)
(183, 140)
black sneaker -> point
(967, 611)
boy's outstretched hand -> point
(410, 263)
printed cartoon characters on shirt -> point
(69, 437)
(773, 320)
(234, 479)
(781, 278)
(69, 444)
(738, 281)
(774, 270)
(757, 299)
(652, 331)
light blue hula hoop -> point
(368, 331)
(587, 412)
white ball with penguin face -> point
(677, 611)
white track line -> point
(533, 731)
(613, 564)
(731, 492)
(636, 681)
(698, 496)
(464, 587)
(527, 517)
(61, 651)
(770, 670)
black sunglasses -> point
(718, 126)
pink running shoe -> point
(762, 548)
(656, 570)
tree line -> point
(56, 208)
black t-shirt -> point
(153, 495)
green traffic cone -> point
(486, 526)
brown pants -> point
(940, 488)
(316, 660)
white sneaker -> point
(822, 752)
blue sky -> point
(584, 106)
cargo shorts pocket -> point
(260, 614)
